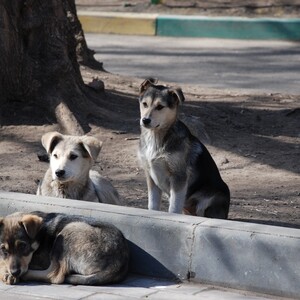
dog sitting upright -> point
(70, 175)
(58, 248)
(175, 161)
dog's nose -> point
(146, 121)
(15, 272)
(60, 173)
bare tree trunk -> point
(41, 43)
(85, 56)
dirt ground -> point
(254, 139)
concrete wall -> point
(233, 254)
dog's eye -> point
(73, 156)
(22, 246)
(4, 250)
(159, 107)
(55, 155)
(145, 104)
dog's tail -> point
(99, 278)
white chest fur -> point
(153, 158)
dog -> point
(58, 248)
(175, 161)
(70, 175)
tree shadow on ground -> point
(251, 128)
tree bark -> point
(41, 46)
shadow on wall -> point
(252, 259)
(141, 262)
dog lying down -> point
(175, 161)
(57, 248)
(70, 175)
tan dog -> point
(70, 175)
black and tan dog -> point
(58, 248)
(175, 161)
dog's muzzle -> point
(146, 122)
(16, 272)
(60, 173)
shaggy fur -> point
(58, 248)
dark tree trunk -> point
(41, 46)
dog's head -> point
(71, 157)
(17, 241)
(158, 104)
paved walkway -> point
(134, 287)
(232, 65)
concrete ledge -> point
(233, 254)
(190, 26)
(229, 27)
(118, 23)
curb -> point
(191, 26)
(238, 255)
(229, 28)
(118, 23)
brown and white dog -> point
(175, 161)
(58, 248)
(70, 175)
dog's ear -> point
(91, 145)
(31, 224)
(145, 85)
(50, 140)
(177, 94)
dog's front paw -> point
(10, 279)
